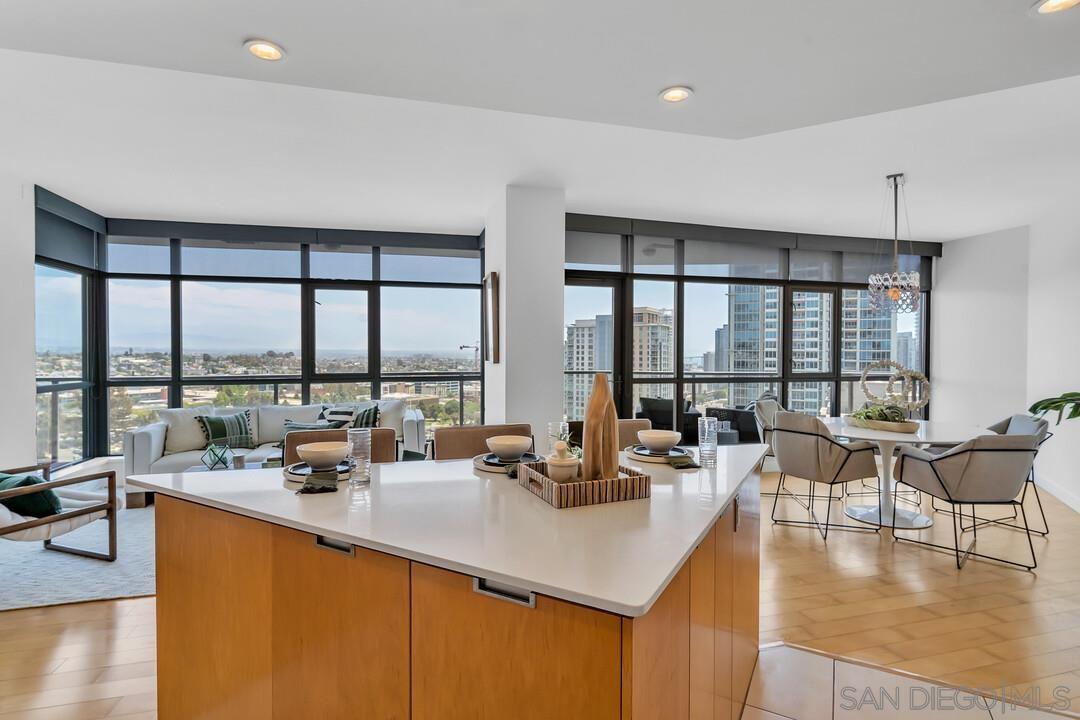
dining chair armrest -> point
(858, 445)
(51, 484)
(915, 453)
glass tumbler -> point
(707, 427)
(359, 440)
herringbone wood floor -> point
(861, 596)
(908, 608)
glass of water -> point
(359, 440)
(707, 427)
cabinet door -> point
(340, 630)
(722, 624)
(213, 628)
(703, 630)
(746, 587)
(480, 657)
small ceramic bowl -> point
(564, 470)
(659, 441)
(323, 455)
(509, 447)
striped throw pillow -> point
(342, 414)
(231, 430)
(367, 418)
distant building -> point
(708, 361)
(905, 349)
(721, 349)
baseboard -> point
(1065, 495)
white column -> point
(525, 243)
(17, 398)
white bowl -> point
(323, 455)
(509, 447)
(659, 441)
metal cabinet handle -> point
(738, 515)
(502, 591)
(338, 546)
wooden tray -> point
(908, 426)
(630, 485)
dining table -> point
(930, 432)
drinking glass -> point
(359, 440)
(557, 431)
(707, 427)
(725, 426)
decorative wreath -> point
(891, 396)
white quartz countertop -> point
(617, 557)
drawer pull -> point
(338, 546)
(502, 591)
(738, 515)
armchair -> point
(46, 529)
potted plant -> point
(1069, 401)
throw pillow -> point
(231, 430)
(345, 414)
(40, 504)
(367, 418)
(323, 425)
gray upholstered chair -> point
(989, 470)
(804, 448)
(468, 441)
(765, 410)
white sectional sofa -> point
(177, 443)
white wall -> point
(978, 333)
(17, 400)
(524, 243)
(1053, 343)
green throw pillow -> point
(38, 505)
(367, 418)
(318, 425)
(231, 430)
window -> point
(718, 320)
(143, 255)
(427, 265)
(430, 330)
(340, 262)
(61, 366)
(731, 329)
(140, 330)
(593, 251)
(811, 332)
(132, 407)
(738, 260)
(230, 396)
(240, 259)
(341, 331)
(335, 393)
(588, 343)
(443, 402)
(241, 329)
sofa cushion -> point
(272, 419)
(178, 462)
(232, 430)
(40, 504)
(182, 430)
(263, 453)
(253, 419)
(391, 414)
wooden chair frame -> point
(109, 506)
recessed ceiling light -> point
(265, 50)
(679, 93)
(1045, 7)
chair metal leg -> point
(814, 522)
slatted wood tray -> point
(631, 484)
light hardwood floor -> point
(909, 609)
(864, 598)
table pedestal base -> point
(905, 519)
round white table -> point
(935, 433)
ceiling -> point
(130, 141)
(757, 67)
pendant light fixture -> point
(898, 291)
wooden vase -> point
(600, 442)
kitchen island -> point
(442, 592)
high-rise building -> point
(753, 333)
(721, 349)
(905, 346)
(867, 335)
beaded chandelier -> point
(899, 291)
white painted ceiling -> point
(758, 67)
(130, 141)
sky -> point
(258, 316)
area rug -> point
(31, 576)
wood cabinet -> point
(340, 629)
(261, 621)
(477, 656)
(213, 613)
